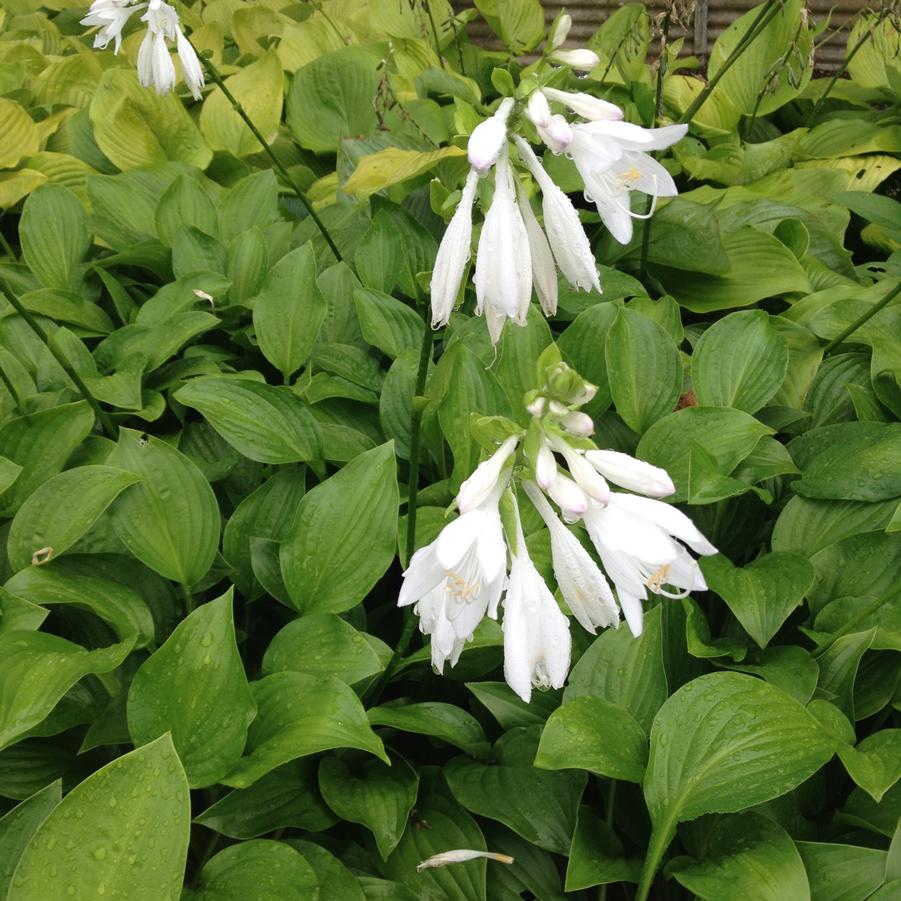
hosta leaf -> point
(387, 323)
(842, 872)
(194, 688)
(875, 764)
(444, 721)
(299, 715)
(170, 519)
(596, 856)
(344, 535)
(18, 826)
(265, 423)
(375, 795)
(92, 845)
(20, 136)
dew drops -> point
(100, 853)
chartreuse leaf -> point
(624, 670)
(323, 644)
(344, 535)
(644, 369)
(393, 165)
(54, 235)
(332, 98)
(744, 855)
(61, 510)
(256, 871)
(91, 845)
(521, 24)
(740, 361)
(536, 804)
(18, 826)
(194, 688)
(875, 764)
(41, 443)
(289, 310)
(590, 734)
(288, 796)
(596, 856)
(37, 669)
(842, 872)
(445, 721)
(170, 519)
(375, 795)
(299, 715)
(20, 136)
(723, 742)
(265, 423)
(762, 594)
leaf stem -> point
(428, 12)
(767, 13)
(7, 383)
(276, 162)
(105, 421)
(861, 320)
(660, 839)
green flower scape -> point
(232, 414)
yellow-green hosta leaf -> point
(16, 185)
(392, 166)
(135, 126)
(258, 88)
(20, 134)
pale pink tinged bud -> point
(578, 424)
(488, 138)
(583, 59)
(584, 105)
(569, 497)
(628, 472)
(545, 467)
(557, 135)
(586, 476)
(538, 109)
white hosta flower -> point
(503, 276)
(155, 66)
(190, 64)
(585, 475)
(612, 159)
(579, 578)
(544, 272)
(630, 473)
(582, 59)
(485, 477)
(579, 424)
(636, 538)
(460, 855)
(553, 129)
(111, 17)
(489, 137)
(584, 105)
(453, 255)
(566, 236)
(569, 497)
(545, 466)
(457, 579)
(560, 31)
(536, 633)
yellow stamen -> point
(657, 579)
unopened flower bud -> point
(569, 497)
(560, 31)
(537, 407)
(557, 134)
(538, 109)
(585, 475)
(460, 855)
(583, 59)
(578, 424)
(545, 467)
(584, 105)
(630, 473)
(485, 477)
(488, 138)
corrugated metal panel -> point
(711, 19)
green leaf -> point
(332, 98)
(762, 594)
(323, 644)
(522, 24)
(580, 345)
(596, 856)
(787, 667)
(289, 311)
(838, 669)
(740, 361)
(299, 715)
(726, 436)
(435, 719)
(344, 535)
(644, 369)
(20, 135)
(745, 855)
(509, 709)
(258, 88)
(265, 423)
(590, 734)
(256, 871)
(41, 443)
(377, 796)
(724, 742)
(625, 671)
(335, 879)
(286, 797)
(849, 461)
(19, 825)
(91, 838)
(842, 872)
(37, 669)
(185, 202)
(54, 236)
(875, 764)
(393, 165)
(75, 581)
(194, 688)
(61, 510)
(386, 323)
(536, 804)
(170, 519)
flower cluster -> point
(514, 253)
(641, 541)
(155, 65)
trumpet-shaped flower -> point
(537, 642)
(489, 138)
(111, 17)
(544, 272)
(503, 277)
(453, 255)
(612, 159)
(638, 540)
(579, 578)
(484, 479)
